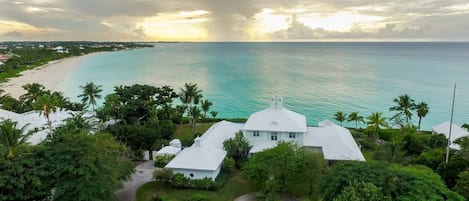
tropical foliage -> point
(91, 93)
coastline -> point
(50, 75)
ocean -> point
(314, 78)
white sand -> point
(50, 75)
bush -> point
(228, 164)
(163, 175)
(180, 181)
(187, 142)
(161, 161)
(386, 134)
(462, 184)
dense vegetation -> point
(81, 161)
(28, 55)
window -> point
(255, 133)
(292, 135)
(273, 137)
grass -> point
(185, 131)
(235, 186)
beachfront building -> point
(263, 130)
(34, 121)
(456, 132)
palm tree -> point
(340, 117)
(404, 106)
(33, 91)
(11, 138)
(47, 104)
(355, 117)
(205, 105)
(180, 110)
(91, 92)
(422, 111)
(214, 114)
(195, 113)
(376, 120)
(190, 94)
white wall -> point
(198, 174)
(265, 136)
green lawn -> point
(235, 186)
(185, 131)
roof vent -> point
(276, 102)
(197, 142)
(274, 123)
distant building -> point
(263, 130)
(38, 123)
(59, 49)
(1, 63)
(5, 57)
(456, 132)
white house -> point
(205, 157)
(34, 121)
(456, 132)
(263, 130)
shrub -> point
(179, 181)
(462, 184)
(161, 161)
(228, 164)
(163, 175)
(187, 142)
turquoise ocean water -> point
(315, 79)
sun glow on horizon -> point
(183, 25)
(341, 21)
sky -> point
(234, 20)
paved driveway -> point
(143, 174)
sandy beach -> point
(50, 75)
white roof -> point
(325, 123)
(207, 151)
(336, 142)
(35, 121)
(168, 150)
(218, 133)
(5, 114)
(276, 119)
(456, 132)
(198, 158)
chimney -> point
(276, 102)
(197, 142)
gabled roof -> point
(207, 151)
(325, 123)
(456, 132)
(198, 158)
(336, 142)
(218, 133)
(276, 119)
(168, 150)
(34, 121)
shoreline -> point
(50, 75)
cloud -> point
(240, 20)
